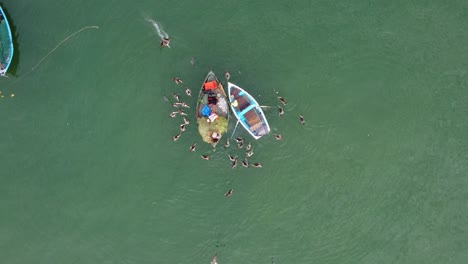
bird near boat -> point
(176, 96)
(176, 137)
(188, 92)
(177, 80)
(234, 163)
(227, 143)
(302, 120)
(229, 193)
(257, 165)
(232, 158)
(282, 100)
(215, 258)
(249, 147)
(278, 137)
(186, 121)
(182, 128)
(205, 157)
(280, 111)
(245, 163)
(193, 147)
(249, 154)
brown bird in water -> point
(192, 148)
(249, 147)
(257, 165)
(302, 120)
(278, 137)
(282, 100)
(234, 163)
(232, 158)
(177, 80)
(205, 157)
(280, 111)
(176, 137)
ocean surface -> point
(378, 174)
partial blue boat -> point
(248, 111)
(6, 44)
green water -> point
(89, 173)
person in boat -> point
(165, 42)
(215, 136)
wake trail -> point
(162, 34)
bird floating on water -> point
(302, 120)
(192, 148)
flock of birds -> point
(180, 105)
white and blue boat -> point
(6, 44)
(248, 112)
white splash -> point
(162, 34)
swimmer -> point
(227, 143)
(229, 193)
(176, 96)
(205, 157)
(234, 163)
(240, 145)
(278, 137)
(186, 121)
(245, 163)
(249, 154)
(182, 128)
(176, 137)
(232, 158)
(165, 42)
(173, 114)
(227, 75)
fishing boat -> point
(6, 43)
(248, 111)
(212, 110)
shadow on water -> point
(16, 54)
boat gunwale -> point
(257, 107)
(3, 72)
(198, 102)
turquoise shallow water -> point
(377, 175)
